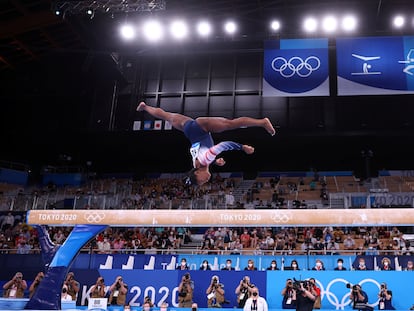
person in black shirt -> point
(303, 296)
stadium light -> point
(153, 31)
(179, 29)
(275, 25)
(349, 23)
(204, 29)
(310, 24)
(127, 32)
(399, 21)
(230, 27)
(329, 23)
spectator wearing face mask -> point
(255, 302)
(361, 264)
(340, 265)
(293, 265)
(228, 266)
(318, 265)
(386, 264)
(250, 265)
(205, 266)
(410, 266)
(273, 266)
(183, 265)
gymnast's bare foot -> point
(141, 106)
(248, 149)
(269, 127)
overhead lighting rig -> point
(106, 6)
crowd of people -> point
(18, 237)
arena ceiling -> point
(30, 29)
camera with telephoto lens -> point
(297, 284)
(354, 287)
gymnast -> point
(198, 131)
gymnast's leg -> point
(177, 120)
(220, 124)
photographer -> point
(359, 297)
(243, 291)
(287, 293)
(385, 298)
(98, 290)
(316, 291)
(15, 287)
(64, 295)
(185, 292)
(32, 289)
(118, 291)
(303, 296)
(72, 285)
(215, 293)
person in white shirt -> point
(65, 296)
(255, 302)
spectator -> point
(15, 287)
(250, 265)
(318, 265)
(205, 266)
(293, 265)
(386, 264)
(340, 265)
(23, 248)
(349, 243)
(118, 292)
(409, 266)
(255, 302)
(273, 266)
(228, 266)
(183, 265)
(361, 264)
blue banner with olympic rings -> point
(296, 67)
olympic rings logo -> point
(280, 218)
(94, 218)
(344, 300)
(296, 65)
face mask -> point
(294, 265)
(147, 309)
(386, 263)
(183, 263)
(163, 309)
(318, 264)
(228, 265)
(362, 264)
(204, 265)
(250, 265)
(273, 265)
(339, 264)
